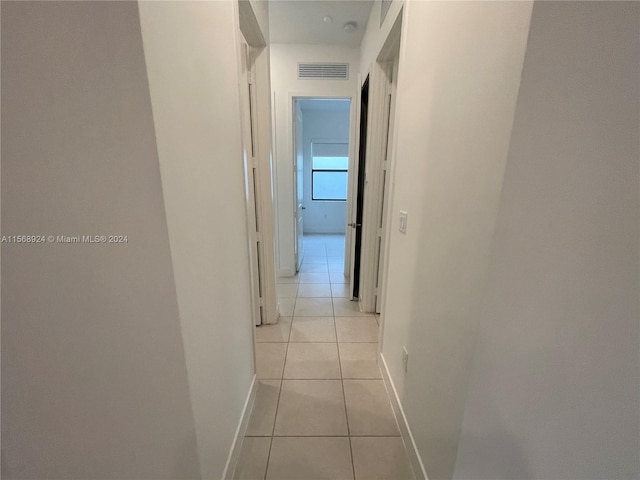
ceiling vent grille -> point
(328, 71)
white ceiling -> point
(301, 21)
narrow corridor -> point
(321, 410)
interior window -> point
(329, 164)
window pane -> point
(329, 186)
(330, 163)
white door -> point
(298, 181)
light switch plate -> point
(403, 221)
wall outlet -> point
(405, 359)
(403, 221)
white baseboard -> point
(407, 437)
(286, 272)
(236, 446)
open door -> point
(356, 223)
(298, 183)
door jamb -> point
(298, 95)
(262, 271)
(377, 193)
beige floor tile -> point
(270, 360)
(285, 306)
(277, 332)
(336, 268)
(314, 290)
(359, 360)
(287, 290)
(285, 280)
(335, 250)
(314, 278)
(314, 250)
(313, 307)
(357, 329)
(338, 277)
(309, 458)
(380, 458)
(340, 290)
(252, 463)
(314, 268)
(311, 408)
(347, 308)
(313, 329)
(368, 408)
(336, 259)
(311, 260)
(263, 415)
(312, 360)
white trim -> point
(236, 446)
(405, 431)
(375, 150)
(266, 202)
(380, 148)
(293, 95)
(262, 205)
(286, 272)
(352, 189)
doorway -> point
(321, 175)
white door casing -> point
(255, 102)
(249, 170)
(383, 78)
(350, 237)
(298, 185)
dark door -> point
(364, 107)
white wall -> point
(555, 384)
(94, 383)
(376, 34)
(193, 77)
(459, 71)
(261, 11)
(284, 82)
(322, 216)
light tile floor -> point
(321, 409)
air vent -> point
(329, 71)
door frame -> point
(357, 224)
(260, 202)
(297, 125)
(292, 97)
(380, 145)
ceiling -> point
(302, 21)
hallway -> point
(321, 409)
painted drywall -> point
(284, 83)
(194, 79)
(555, 383)
(459, 71)
(322, 216)
(376, 33)
(261, 11)
(94, 384)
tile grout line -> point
(275, 417)
(344, 397)
(288, 342)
